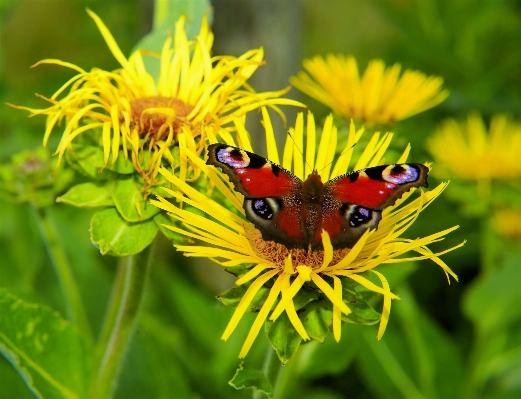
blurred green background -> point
(443, 341)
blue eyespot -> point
(262, 208)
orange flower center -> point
(277, 253)
(156, 116)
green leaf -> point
(127, 194)
(317, 318)
(247, 377)
(233, 296)
(239, 270)
(304, 296)
(361, 311)
(12, 385)
(86, 161)
(48, 353)
(122, 166)
(283, 337)
(115, 236)
(88, 195)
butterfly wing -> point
(272, 195)
(354, 202)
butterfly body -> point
(293, 212)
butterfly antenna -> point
(342, 153)
(299, 150)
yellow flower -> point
(134, 113)
(380, 96)
(231, 240)
(466, 150)
(507, 222)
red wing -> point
(252, 175)
(354, 202)
(377, 187)
(281, 224)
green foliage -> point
(50, 355)
(88, 195)
(115, 236)
(283, 337)
(247, 377)
(29, 178)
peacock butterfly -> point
(293, 212)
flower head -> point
(232, 240)
(507, 222)
(131, 112)
(470, 152)
(379, 96)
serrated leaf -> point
(115, 236)
(48, 353)
(283, 337)
(317, 318)
(247, 377)
(127, 196)
(88, 195)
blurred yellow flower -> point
(379, 96)
(470, 152)
(507, 222)
(134, 113)
(232, 240)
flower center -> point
(277, 253)
(154, 116)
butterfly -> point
(293, 212)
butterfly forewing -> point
(294, 213)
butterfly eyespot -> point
(400, 174)
(360, 216)
(261, 211)
(357, 215)
(233, 157)
(262, 208)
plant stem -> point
(119, 323)
(75, 311)
(271, 369)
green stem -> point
(271, 369)
(74, 308)
(119, 323)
